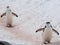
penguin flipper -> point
(15, 14)
(3, 14)
(40, 29)
(55, 31)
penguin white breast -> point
(9, 16)
(8, 12)
(47, 34)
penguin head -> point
(7, 7)
(48, 25)
(47, 22)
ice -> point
(32, 15)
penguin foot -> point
(9, 25)
(45, 42)
(48, 41)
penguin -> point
(4, 43)
(47, 32)
(9, 16)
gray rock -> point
(4, 43)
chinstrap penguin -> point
(47, 32)
(9, 15)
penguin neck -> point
(48, 26)
(8, 10)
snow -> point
(32, 15)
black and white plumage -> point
(9, 16)
(47, 32)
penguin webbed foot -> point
(9, 25)
(46, 42)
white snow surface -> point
(32, 15)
